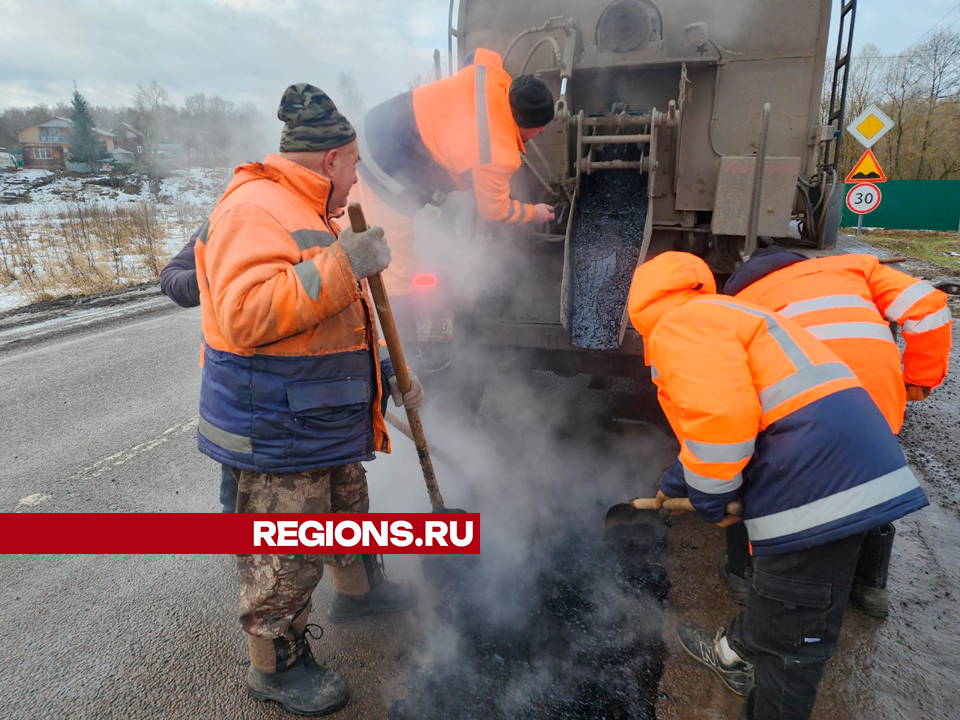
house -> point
(47, 144)
(130, 139)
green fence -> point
(913, 205)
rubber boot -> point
(869, 592)
(361, 588)
(285, 671)
(736, 567)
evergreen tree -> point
(85, 145)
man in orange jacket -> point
(767, 415)
(467, 131)
(292, 384)
(847, 302)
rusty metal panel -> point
(697, 164)
(744, 87)
(734, 190)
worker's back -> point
(846, 301)
(435, 137)
(765, 413)
(465, 120)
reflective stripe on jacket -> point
(291, 377)
(765, 413)
(847, 302)
(461, 125)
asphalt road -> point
(100, 417)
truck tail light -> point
(424, 281)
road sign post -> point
(863, 198)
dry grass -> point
(931, 247)
(85, 248)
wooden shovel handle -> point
(680, 505)
(389, 327)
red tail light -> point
(424, 280)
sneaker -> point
(739, 586)
(872, 600)
(737, 676)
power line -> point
(933, 27)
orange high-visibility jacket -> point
(291, 379)
(846, 301)
(764, 412)
(453, 133)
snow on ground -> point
(41, 192)
(75, 234)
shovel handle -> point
(389, 327)
(680, 505)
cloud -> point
(242, 50)
(250, 50)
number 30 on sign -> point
(863, 198)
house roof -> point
(56, 121)
(131, 128)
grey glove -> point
(368, 252)
(413, 398)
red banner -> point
(240, 534)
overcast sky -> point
(251, 49)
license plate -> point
(435, 329)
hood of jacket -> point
(311, 187)
(663, 283)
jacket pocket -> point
(339, 404)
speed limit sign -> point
(863, 198)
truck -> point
(694, 125)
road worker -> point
(465, 131)
(767, 415)
(292, 384)
(847, 301)
(178, 281)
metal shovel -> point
(626, 513)
(392, 338)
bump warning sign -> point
(867, 169)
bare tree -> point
(151, 106)
(349, 99)
(420, 80)
(899, 99)
(937, 63)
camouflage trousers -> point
(276, 588)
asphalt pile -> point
(606, 238)
(578, 637)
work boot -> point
(737, 676)
(285, 671)
(739, 586)
(362, 588)
(869, 592)
(873, 601)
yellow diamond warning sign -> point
(870, 125)
(867, 169)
